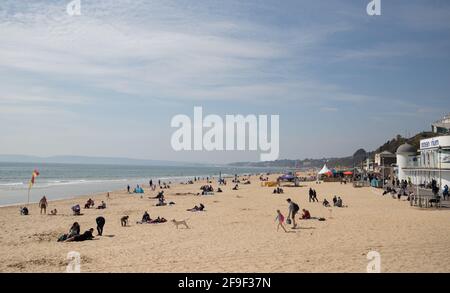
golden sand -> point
(236, 233)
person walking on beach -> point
(280, 219)
(293, 210)
(314, 196)
(43, 204)
(310, 194)
(100, 223)
(128, 188)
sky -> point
(109, 81)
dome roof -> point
(406, 149)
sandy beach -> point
(236, 233)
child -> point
(280, 219)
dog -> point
(124, 221)
(178, 223)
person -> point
(87, 235)
(73, 231)
(89, 203)
(445, 193)
(76, 210)
(326, 203)
(293, 210)
(314, 196)
(102, 206)
(100, 223)
(219, 190)
(339, 203)
(24, 211)
(53, 212)
(280, 219)
(128, 188)
(306, 215)
(235, 187)
(107, 195)
(146, 217)
(43, 204)
(199, 208)
(310, 194)
(334, 200)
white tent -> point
(324, 170)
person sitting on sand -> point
(199, 208)
(89, 203)
(236, 187)
(280, 219)
(219, 190)
(24, 211)
(102, 206)
(306, 215)
(146, 218)
(161, 202)
(87, 235)
(53, 212)
(73, 231)
(76, 210)
(43, 204)
(326, 203)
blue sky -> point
(108, 82)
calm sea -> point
(58, 181)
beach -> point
(236, 233)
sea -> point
(62, 181)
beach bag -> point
(288, 221)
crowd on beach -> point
(74, 233)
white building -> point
(432, 162)
(441, 126)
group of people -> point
(147, 220)
(313, 195)
(74, 232)
(278, 190)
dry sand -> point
(236, 233)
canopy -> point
(325, 170)
(287, 177)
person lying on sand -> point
(280, 219)
(326, 203)
(199, 208)
(87, 235)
